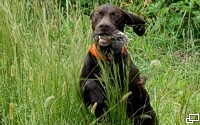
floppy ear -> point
(136, 22)
(91, 15)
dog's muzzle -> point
(117, 40)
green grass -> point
(42, 52)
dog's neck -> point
(109, 50)
(105, 53)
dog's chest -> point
(111, 71)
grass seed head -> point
(126, 96)
(64, 88)
(31, 74)
(11, 111)
(32, 116)
(93, 108)
(48, 100)
(155, 63)
(42, 78)
(12, 71)
(26, 64)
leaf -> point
(164, 10)
(196, 13)
(196, 19)
(197, 2)
(175, 19)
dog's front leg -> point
(91, 90)
(94, 93)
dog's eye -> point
(116, 15)
(96, 15)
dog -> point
(108, 22)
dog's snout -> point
(104, 26)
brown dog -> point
(108, 22)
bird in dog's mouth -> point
(116, 40)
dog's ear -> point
(91, 16)
(136, 22)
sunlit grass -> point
(41, 54)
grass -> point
(41, 54)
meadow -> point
(42, 49)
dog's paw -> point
(143, 80)
(94, 97)
(93, 92)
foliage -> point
(42, 50)
(178, 14)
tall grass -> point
(41, 54)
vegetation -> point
(42, 47)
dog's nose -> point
(104, 26)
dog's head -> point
(108, 23)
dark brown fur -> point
(108, 20)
